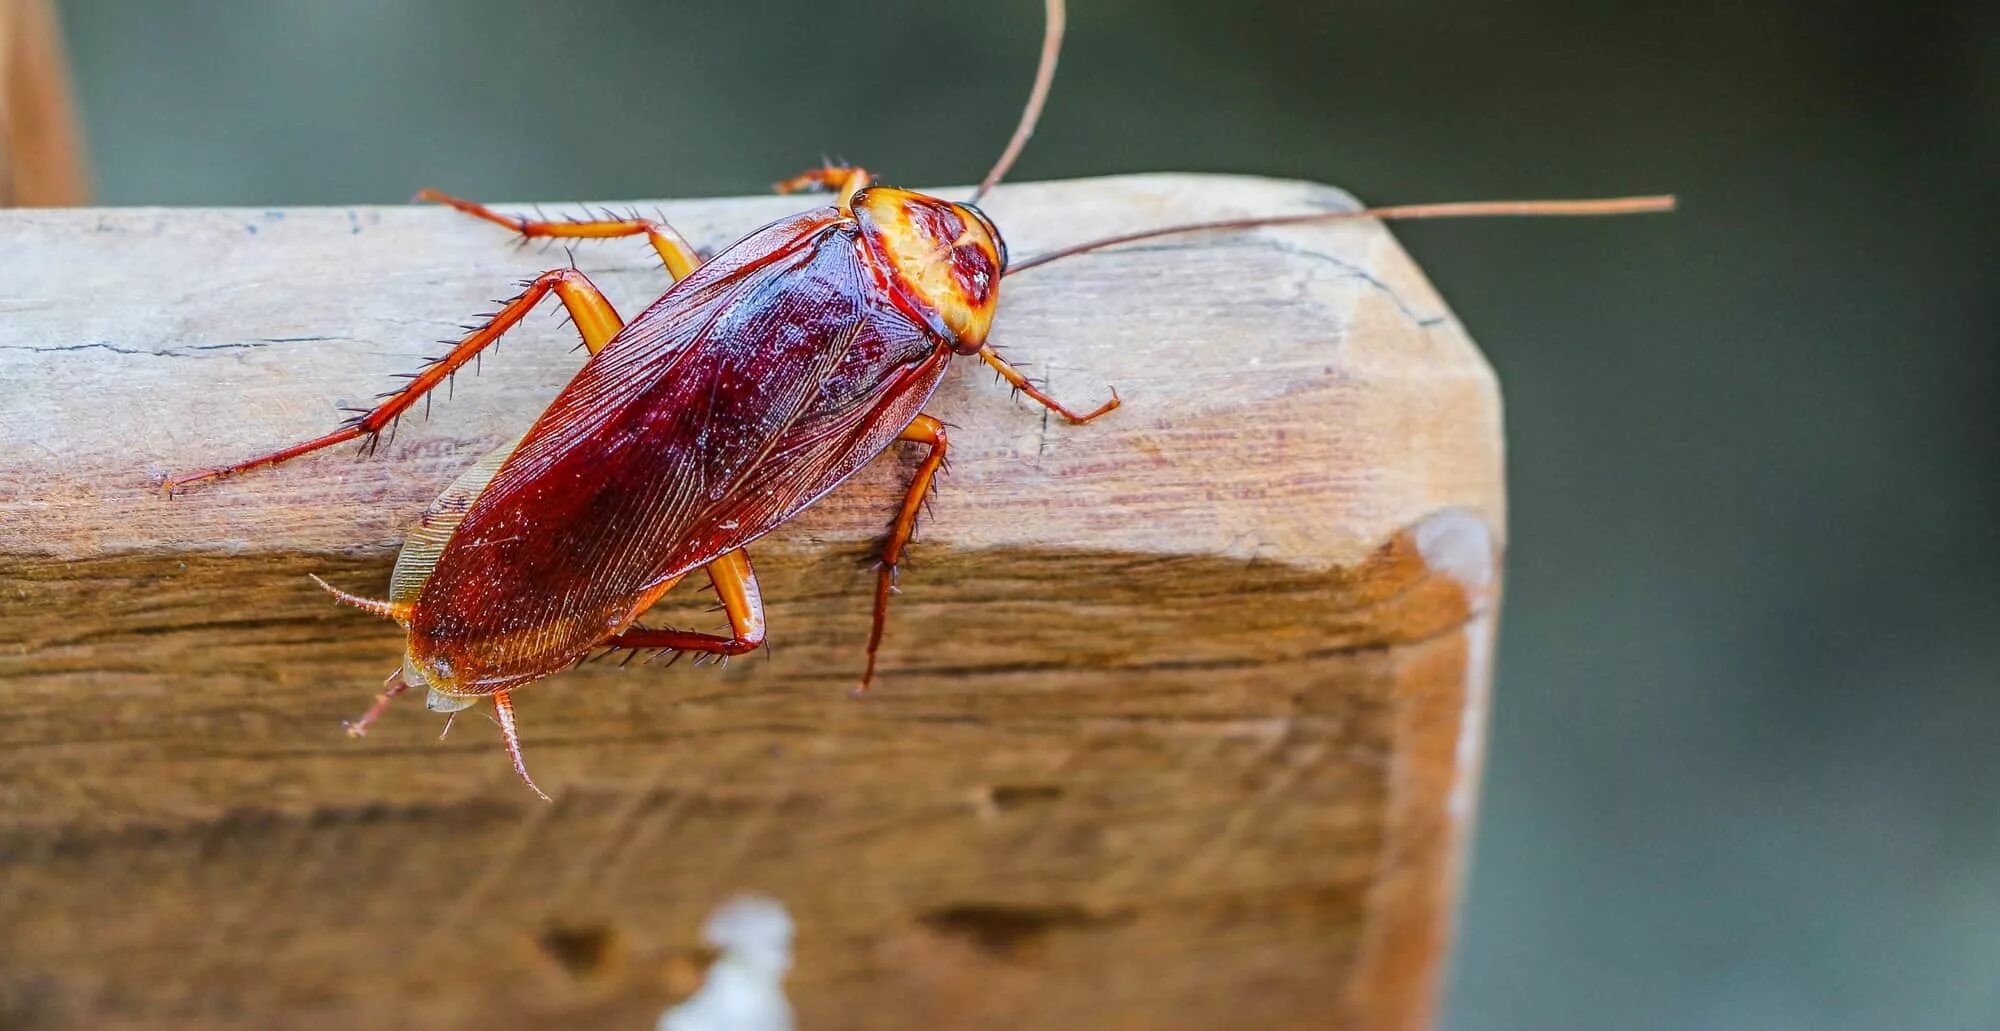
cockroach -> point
(759, 381)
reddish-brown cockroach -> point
(759, 381)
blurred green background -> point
(1742, 770)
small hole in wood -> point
(583, 951)
(1013, 932)
(1008, 797)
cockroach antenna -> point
(1045, 73)
(1463, 209)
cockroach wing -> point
(739, 397)
(426, 541)
(876, 390)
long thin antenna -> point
(1045, 74)
(1463, 209)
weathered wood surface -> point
(1178, 722)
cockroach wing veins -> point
(748, 391)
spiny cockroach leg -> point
(736, 583)
(674, 655)
(1026, 386)
(674, 250)
(391, 687)
(503, 712)
(830, 177)
(922, 430)
(595, 319)
(398, 611)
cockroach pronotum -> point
(759, 381)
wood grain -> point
(1179, 716)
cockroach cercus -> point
(759, 381)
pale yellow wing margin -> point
(428, 538)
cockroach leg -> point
(844, 180)
(674, 250)
(391, 687)
(923, 430)
(736, 583)
(1027, 386)
(503, 712)
(596, 320)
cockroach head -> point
(943, 259)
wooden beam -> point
(1179, 713)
